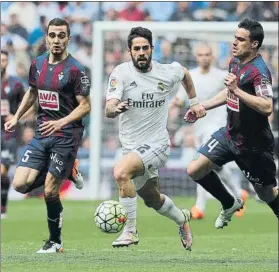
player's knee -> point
(19, 186)
(195, 172)
(121, 176)
(266, 194)
(51, 191)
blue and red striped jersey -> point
(247, 128)
(12, 92)
(58, 85)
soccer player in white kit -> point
(208, 81)
(138, 93)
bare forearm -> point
(28, 101)
(217, 101)
(262, 105)
(188, 85)
(77, 114)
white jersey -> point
(207, 86)
(147, 97)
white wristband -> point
(193, 101)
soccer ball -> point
(110, 216)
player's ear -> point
(69, 40)
(46, 39)
(128, 49)
(255, 44)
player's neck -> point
(204, 71)
(248, 58)
(54, 59)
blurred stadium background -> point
(23, 27)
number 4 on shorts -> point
(212, 144)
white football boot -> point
(51, 247)
(226, 215)
(127, 238)
(185, 231)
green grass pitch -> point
(247, 244)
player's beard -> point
(145, 67)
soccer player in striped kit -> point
(61, 86)
(247, 138)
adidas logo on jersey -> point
(133, 84)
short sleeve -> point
(178, 71)
(262, 83)
(81, 82)
(115, 85)
(32, 74)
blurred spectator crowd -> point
(23, 26)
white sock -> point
(130, 204)
(171, 211)
(201, 198)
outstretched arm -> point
(196, 108)
(217, 101)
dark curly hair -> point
(139, 32)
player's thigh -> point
(259, 168)
(129, 166)
(24, 177)
(148, 182)
(210, 156)
(63, 152)
(31, 163)
(153, 155)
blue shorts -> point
(57, 154)
(258, 168)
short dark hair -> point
(139, 32)
(255, 28)
(5, 52)
(59, 22)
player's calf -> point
(270, 195)
(199, 168)
(5, 185)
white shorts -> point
(153, 156)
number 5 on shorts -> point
(212, 144)
(25, 157)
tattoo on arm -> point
(110, 111)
